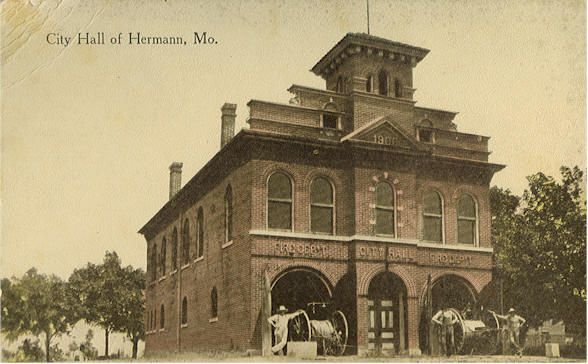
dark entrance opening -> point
(297, 289)
(345, 300)
(387, 314)
(447, 291)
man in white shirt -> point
(279, 322)
(445, 319)
(513, 326)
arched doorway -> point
(450, 291)
(299, 288)
(387, 314)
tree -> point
(35, 304)
(540, 248)
(109, 295)
(133, 304)
(87, 348)
(29, 351)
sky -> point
(89, 131)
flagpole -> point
(368, 15)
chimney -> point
(175, 178)
(227, 123)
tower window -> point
(162, 317)
(397, 88)
(339, 85)
(369, 84)
(383, 83)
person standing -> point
(279, 322)
(445, 318)
(513, 326)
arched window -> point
(321, 206)
(153, 262)
(433, 217)
(163, 256)
(161, 317)
(397, 88)
(186, 243)
(383, 83)
(369, 84)
(200, 227)
(213, 303)
(279, 202)
(384, 209)
(185, 311)
(228, 214)
(339, 85)
(148, 320)
(467, 220)
(175, 249)
(155, 319)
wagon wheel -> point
(299, 327)
(494, 332)
(340, 333)
(459, 332)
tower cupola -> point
(365, 63)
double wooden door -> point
(382, 331)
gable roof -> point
(376, 123)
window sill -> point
(214, 319)
(321, 233)
(162, 279)
(185, 266)
(392, 236)
(227, 244)
(183, 326)
(173, 272)
(199, 259)
(152, 283)
(280, 230)
(161, 330)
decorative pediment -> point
(384, 132)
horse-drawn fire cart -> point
(481, 334)
(329, 328)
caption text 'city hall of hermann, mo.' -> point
(351, 196)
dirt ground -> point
(240, 357)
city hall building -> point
(349, 198)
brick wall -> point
(226, 268)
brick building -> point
(352, 196)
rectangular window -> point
(426, 136)
(279, 215)
(432, 229)
(321, 219)
(330, 121)
(466, 231)
(384, 222)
